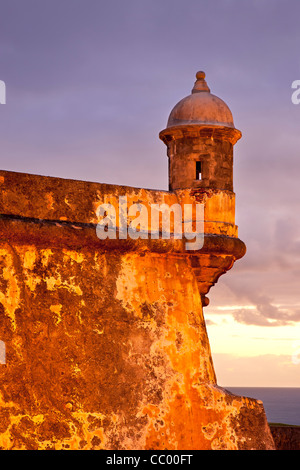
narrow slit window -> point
(198, 171)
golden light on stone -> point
(106, 343)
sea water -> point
(282, 405)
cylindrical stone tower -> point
(200, 135)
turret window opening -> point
(198, 171)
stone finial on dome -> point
(200, 83)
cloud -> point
(267, 278)
(266, 314)
(265, 311)
(268, 370)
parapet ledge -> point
(49, 211)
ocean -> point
(282, 405)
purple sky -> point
(91, 83)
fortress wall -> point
(73, 201)
(106, 344)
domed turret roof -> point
(201, 108)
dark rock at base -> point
(286, 437)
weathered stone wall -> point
(106, 344)
(98, 346)
(286, 437)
